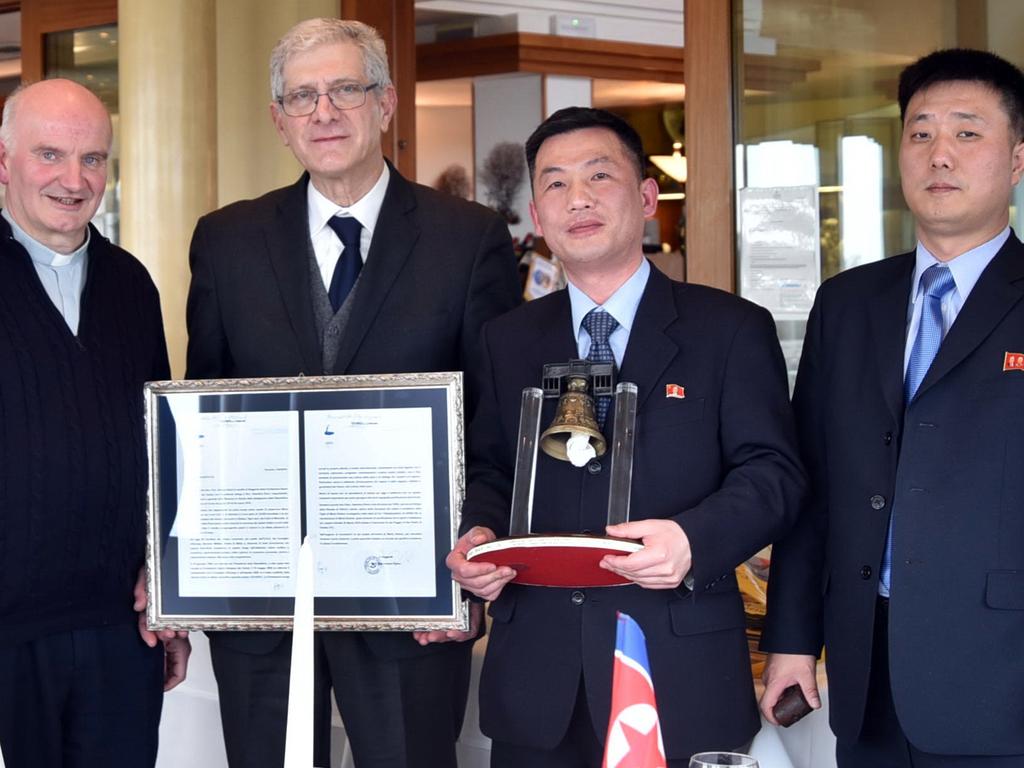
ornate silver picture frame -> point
(371, 468)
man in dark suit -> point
(907, 561)
(352, 270)
(716, 473)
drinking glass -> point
(721, 760)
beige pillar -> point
(168, 105)
(251, 158)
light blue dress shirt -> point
(62, 274)
(621, 305)
(965, 268)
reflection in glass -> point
(781, 164)
(860, 209)
(818, 80)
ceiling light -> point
(673, 165)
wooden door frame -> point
(42, 17)
(710, 144)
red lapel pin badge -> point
(1013, 361)
(675, 390)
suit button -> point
(578, 597)
(594, 467)
(865, 572)
(887, 438)
(332, 330)
(877, 502)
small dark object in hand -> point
(791, 706)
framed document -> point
(371, 468)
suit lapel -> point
(554, 340)
(287, 243)
(998, 289)
(550, 341)
(650, 350)
(393, 239)
(888, 315)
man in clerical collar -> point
(80, 333)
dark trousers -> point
(398, 713)
(253, 692)
(882, 743)
(579, 748)
(86, 698)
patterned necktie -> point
(349, 263)
(936, 283)
(599, 325)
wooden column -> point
(396, 22)
(169, 142)
(710, 188)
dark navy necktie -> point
(936, 283)
(599, 324)
(349, 263)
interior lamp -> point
(673, 165)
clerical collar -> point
(42, 254)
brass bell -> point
(574, 416)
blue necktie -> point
(936, 282)
(349, 263)
(599, 325)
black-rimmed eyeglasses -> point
(343, 96)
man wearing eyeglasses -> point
(352, 270)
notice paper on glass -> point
(780, 247)
(370, 468)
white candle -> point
(298, 749)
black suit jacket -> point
(437, 269)
(721, 462)
(949, 467)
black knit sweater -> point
(72, 449)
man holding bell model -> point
(716, 473)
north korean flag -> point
(634, 731)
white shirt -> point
(327, 245)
